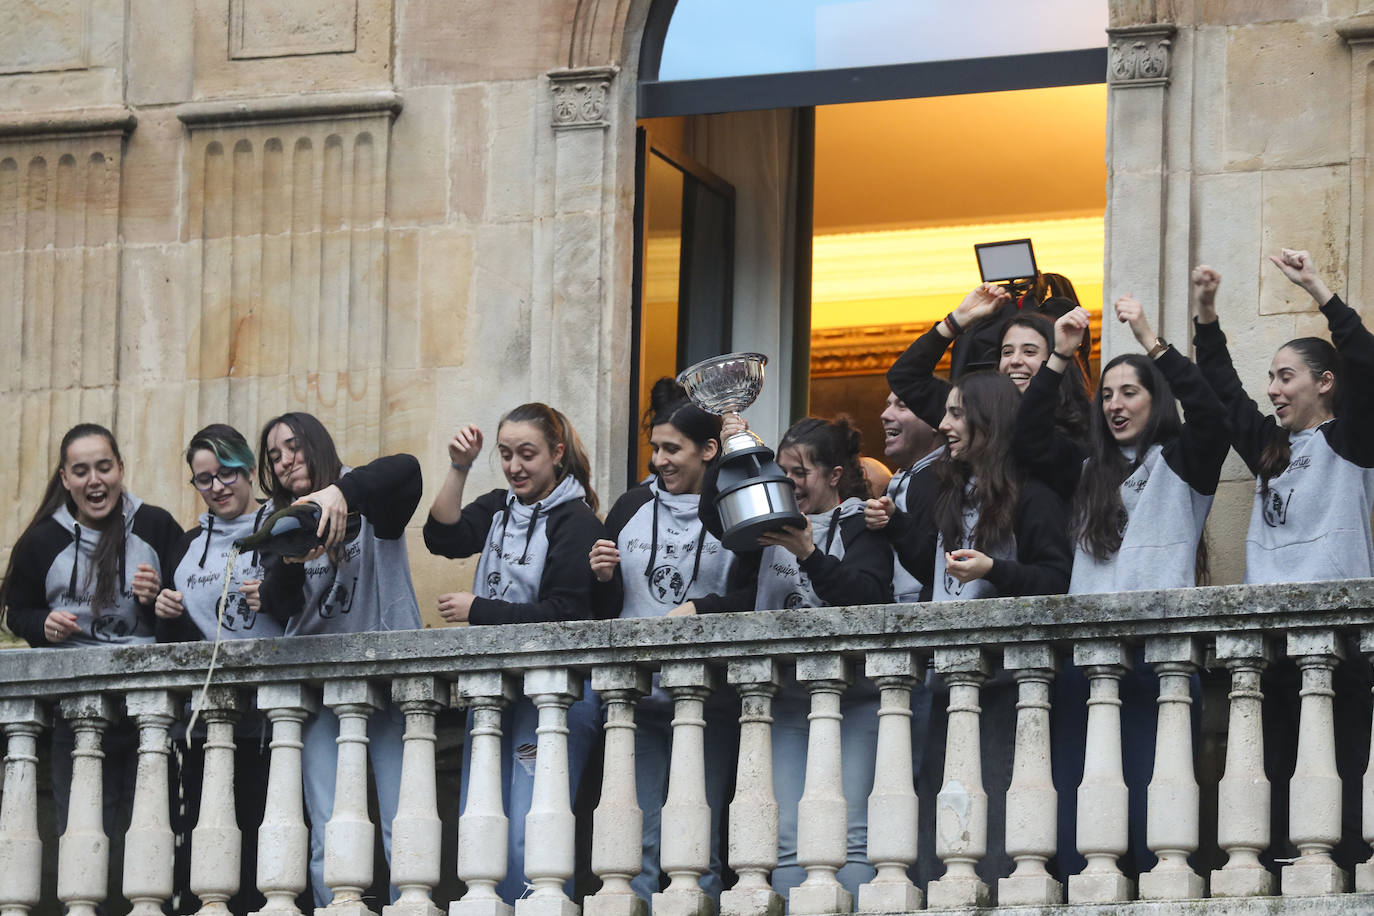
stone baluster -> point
(483, 828)
(822, 813)
(892, 803)
(961, 807)
(216, 840)
(416, 833)
(618, 823)
(1032, 802)
(283, 838)
(21, 851)
(149, 844)
(685, 838)
(1243, 794)
(1314, 794)
(349, 836)
(1102, 796)
(753, 842)
(549, 826)
(83, 852)
(1172, 823)
(1364, 872)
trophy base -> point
(745, 534)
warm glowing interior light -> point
(907, 275)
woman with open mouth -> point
(85, 572)
(533, 539)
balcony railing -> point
(1238, 628)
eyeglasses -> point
(205, 481)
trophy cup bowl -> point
(753, 495)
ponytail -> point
(558, 431)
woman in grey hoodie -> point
(533, 538)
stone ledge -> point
(89, 121)
(1334, 905)
(299, 107)
(1129, 616)
(1357, 29)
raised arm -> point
(1039, 447)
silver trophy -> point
(753, 496)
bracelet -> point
(460, 467)
(1066, 358)
(953, 325)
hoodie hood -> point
(512, 561)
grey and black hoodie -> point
(53, 570)
(533, 565)
(369, 587)
(905, 585)
(667, 556)
(200, 558)
(1310, 522)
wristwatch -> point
(1160, 346)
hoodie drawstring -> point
(529, 533)
(834, 526)
(76, 561)
(209, 532)
(653, 544)
(257, 523)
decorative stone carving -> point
(581, 97)
(1139, 56)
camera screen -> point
(1012, 260)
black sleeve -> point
(1250, 429)
(912, 377)
(863, 576)
(385, 492)
(608, 598)
(26, 595)
(468, 535)
(565, 585)
(706, 505)
(1040, 448)
(911, 530)
(741, 586)
(1044, 558)
(1352, 436)
(156, 527)
(178, 629)
(282, 592)
(1197, 454)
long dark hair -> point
(557, 430)
(111, 547)
(668, 403)
(831, 444)
(1098, 516)
(321, 457)
(989, 401)
(1320, 357)
(1071, 410)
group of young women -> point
(1035, 490)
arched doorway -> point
(867, 152)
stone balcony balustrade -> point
(1238, 629)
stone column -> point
(892, 804)
(149, 843)
(1032, 802)
(83, 852)
(753, 842)
(416, 833)
(822, 814)
(961, 814)
(1364, 872)
(349, 835)
(617, 823)
(21, 852)
(685, 838)
(216, 840)
(1314, 794)
(283, 839)
(1137, 180)
(549, 827)
(1174, 799)
(1102, 796)
(1243, 799)
(483, 828)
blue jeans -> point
(518, 742)
(653, 753)
(319, 766)
(858, 750)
